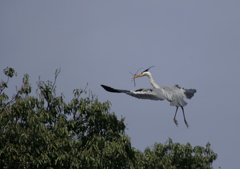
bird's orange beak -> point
(136, 76)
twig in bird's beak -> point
(134, 76)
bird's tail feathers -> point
(189, 93)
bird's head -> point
(143, 73)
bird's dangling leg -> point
(184, 118)
(174, 119)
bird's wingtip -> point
(103, 86)
(109, 89)
(106, 87)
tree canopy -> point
(42, 130)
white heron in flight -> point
(173, 94)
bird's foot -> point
(175, 121)
(187, 124)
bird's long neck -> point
(152, 81)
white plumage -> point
(173, 94)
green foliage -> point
(43, 131)
(9, 72)
(174, 156)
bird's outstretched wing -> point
(151, 94)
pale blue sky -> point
(195, 44)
